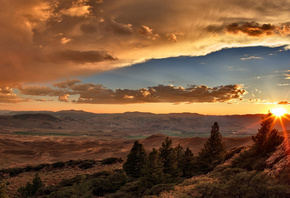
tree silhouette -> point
(136, 160)
(31, 188)
(168, 157)
(267, 138)
(213, 151)
(153, 170)
(187, 163)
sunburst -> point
(279, 111)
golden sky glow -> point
(211, 57)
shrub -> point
(86, 164)
(58, 165)
(111, 160)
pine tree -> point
(31, 188)
(36, 184)
(153, 170)
(180, 154)
(213, 151)
(136, 160)
(188, 163)
(267, 138)
(168, 157)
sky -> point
(110, 56)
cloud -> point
(40, 91)
(40, 100)
(7, 96)
(85, 56)
(107, 26)
(252, 29)
(66, 84)
(281, 85)
(98, 94)
(63, 98)
(251, 57)
(50, 40)
(78, 9)
(284, 103)
(147, 32)
(287, 76)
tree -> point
(213, 151)
(136, 160)
(31, 188)
(267, 138)
(153, 170)
(187, 163)
(180, 155)
(265, 142)
(168, 157)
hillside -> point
(18, 150)
(130, 125)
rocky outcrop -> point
(280, 159)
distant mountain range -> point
(129, 124)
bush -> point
(157, 189)
(111, 160)
(58, 165)
(86, 164)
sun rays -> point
(278, 112)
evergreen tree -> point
(212, 153)
(168, 157)
(136, 160)
(36, 183)
(31, 188)
(265, 142)
(188, 163)
(180, 154)
(153, 170)
(267, 138)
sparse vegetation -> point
(172, 172)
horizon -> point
(141, 112)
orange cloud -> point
(7, 96)
(50, 40)
(252, 29)
(98, 94)
(284, 103)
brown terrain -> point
(47, 137)
(20, 151)
(17, 150)
(33, 139)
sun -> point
(278, 111)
